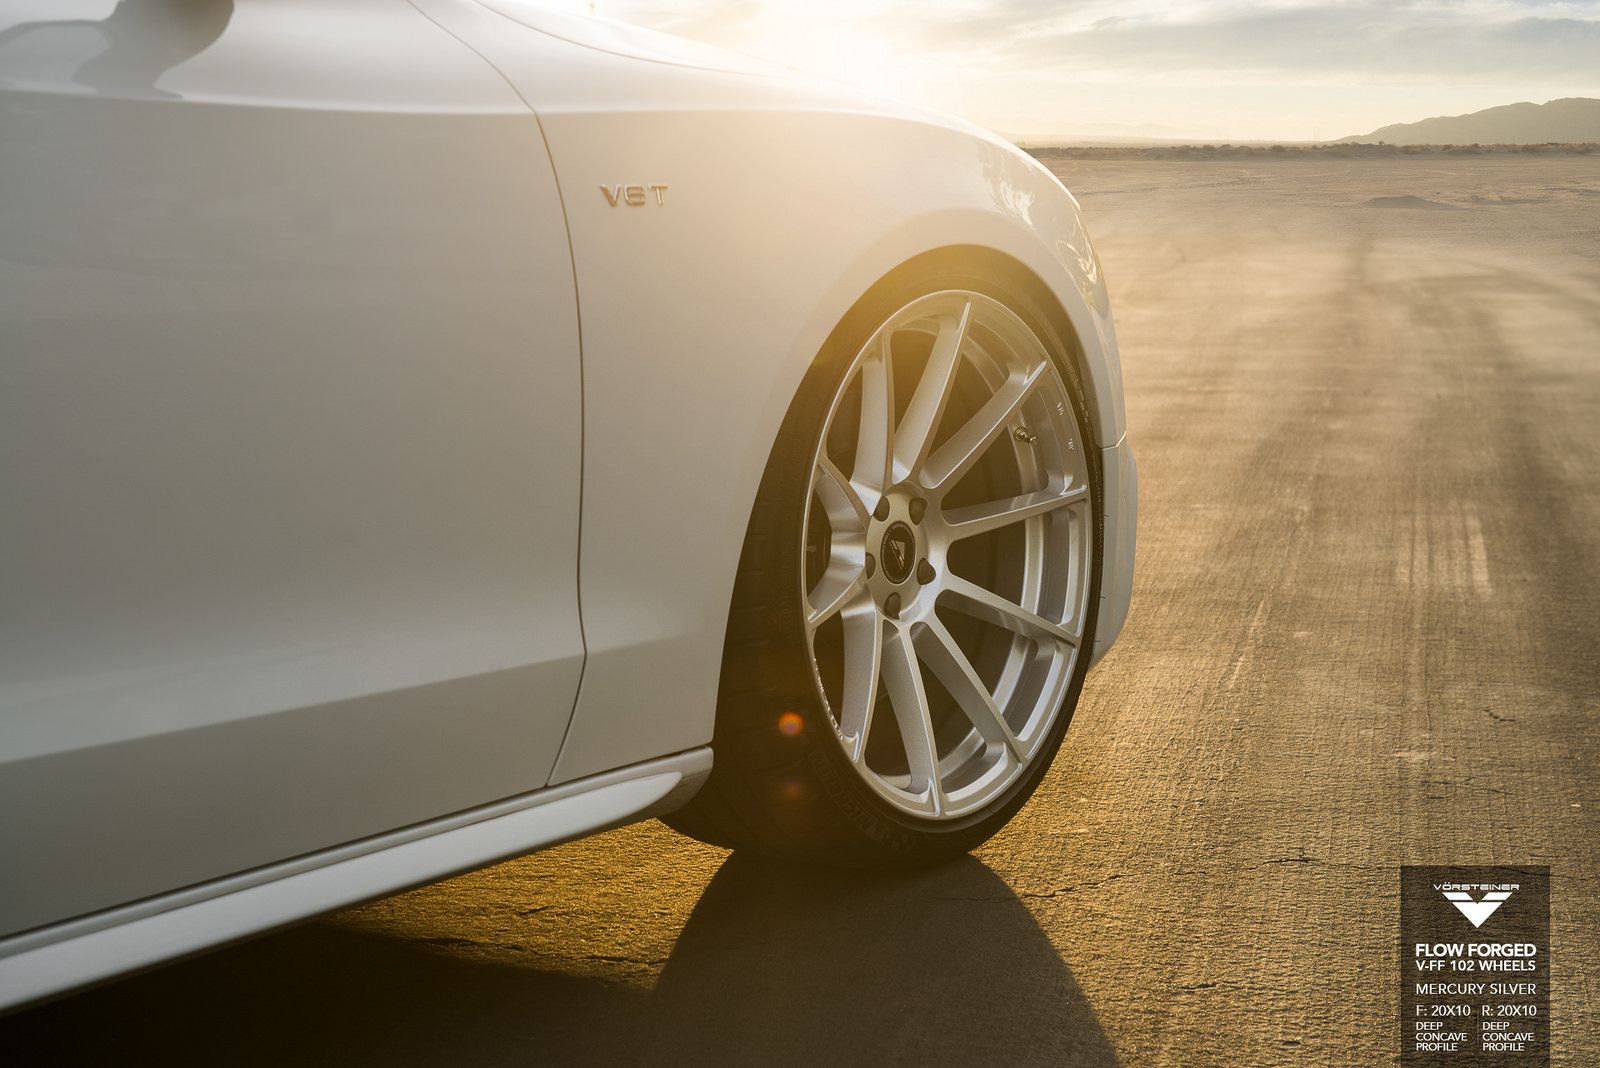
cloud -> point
(1457, 40)
(1470, 43)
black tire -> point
(782, 786)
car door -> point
(289, 440)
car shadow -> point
(778, 963)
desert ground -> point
(1365, 396)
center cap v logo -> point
(899, 553)
(1477, 911)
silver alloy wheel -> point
(948, 535)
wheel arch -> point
(754, 674)
(1103, 402)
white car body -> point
(384, 387)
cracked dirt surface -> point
(1364, 633)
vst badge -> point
(1459, 895)
(634, 196)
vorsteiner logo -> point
(1481, 909)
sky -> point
(1213, 70)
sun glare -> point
(839, 41)
(827, 40)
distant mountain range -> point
(1572, 119)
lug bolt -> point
(925, 572)
(891, 607)
(881, 512)
(919, 508)
(872, 565)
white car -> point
(434, 430)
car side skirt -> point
(50, 960)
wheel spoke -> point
(844, 581)
(982, 518)
(863, 659)
(840, 498)
(951, 666)
(955, 457)
(973, 600)
(875, 433)
(914, 436)
(903, 678)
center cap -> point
(899, 553)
